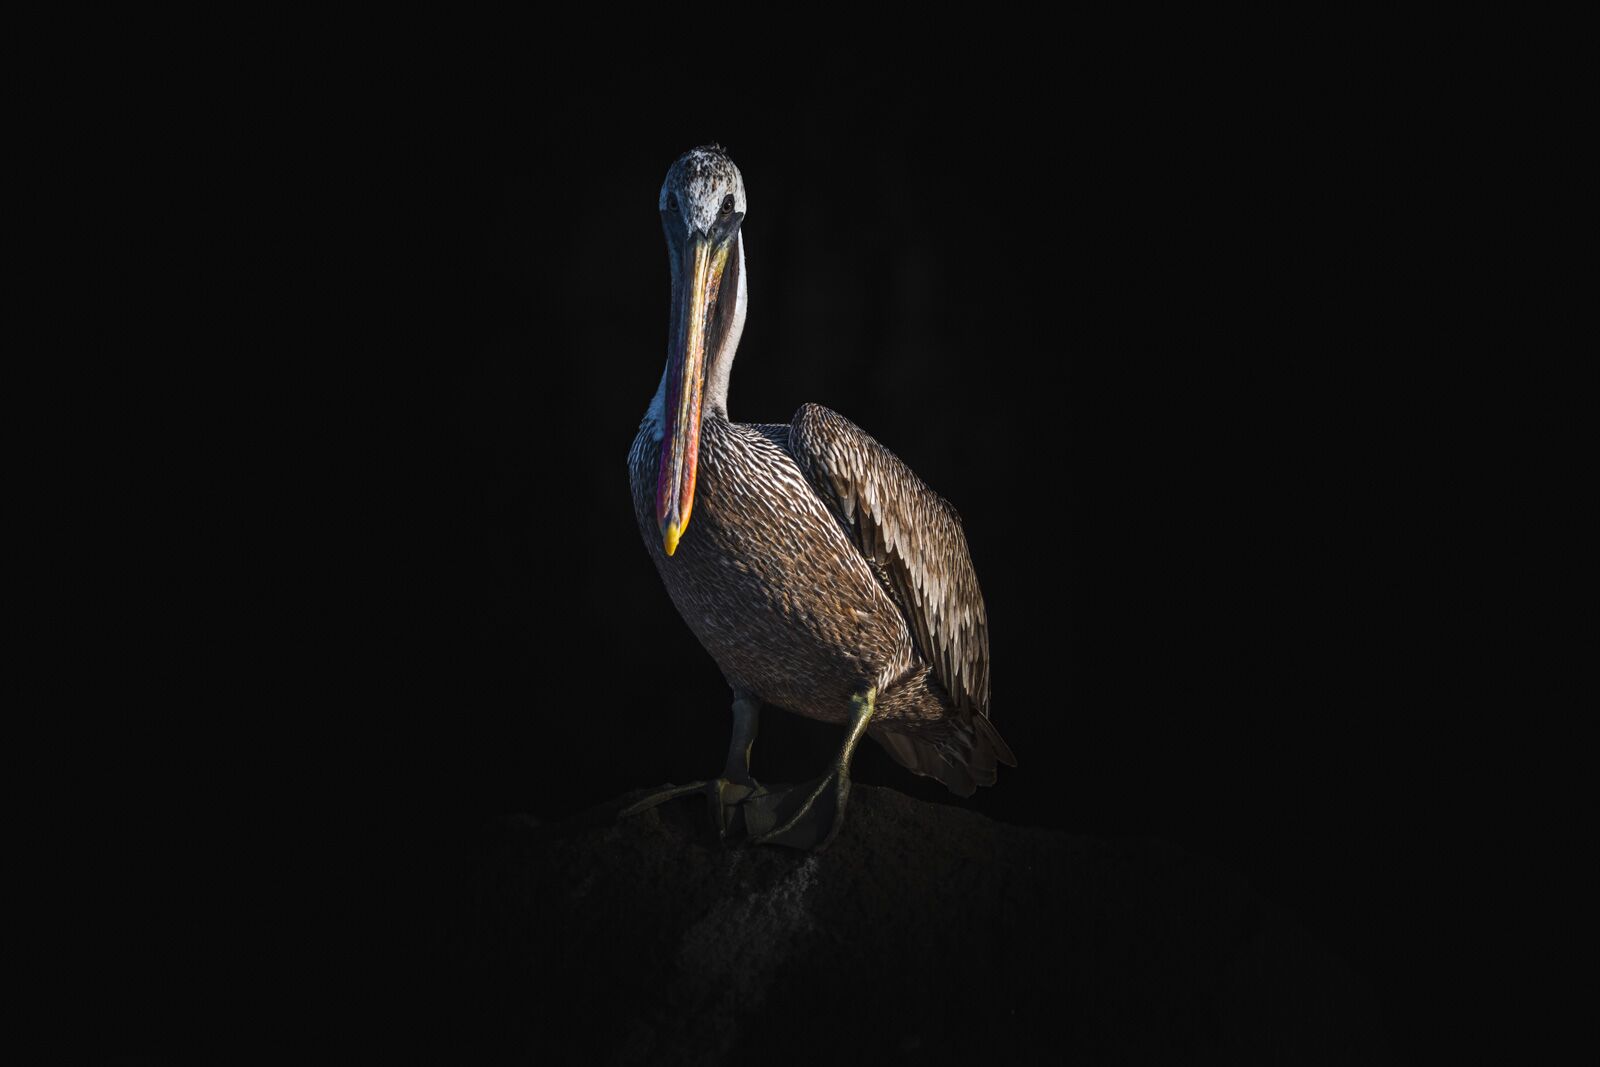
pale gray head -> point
(702, 189)
(702, 207)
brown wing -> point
(913, 537)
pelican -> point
(819, 572)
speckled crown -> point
(701, 177)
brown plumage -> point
(816, 565)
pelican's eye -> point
(727, 204)
(672, 203)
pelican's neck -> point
(720, 362)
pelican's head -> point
(702, 204)
(703, 190)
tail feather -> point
(992, 738)
(961, 755)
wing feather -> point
(912, 536)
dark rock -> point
(926, 934)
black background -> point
(1116, 302)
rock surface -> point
(925, 934)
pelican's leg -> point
(735, 786)
(815, 822)
(746, 717)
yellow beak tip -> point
(670, 537)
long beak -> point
(693, 306)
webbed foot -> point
(804, 816)
(723, 796)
